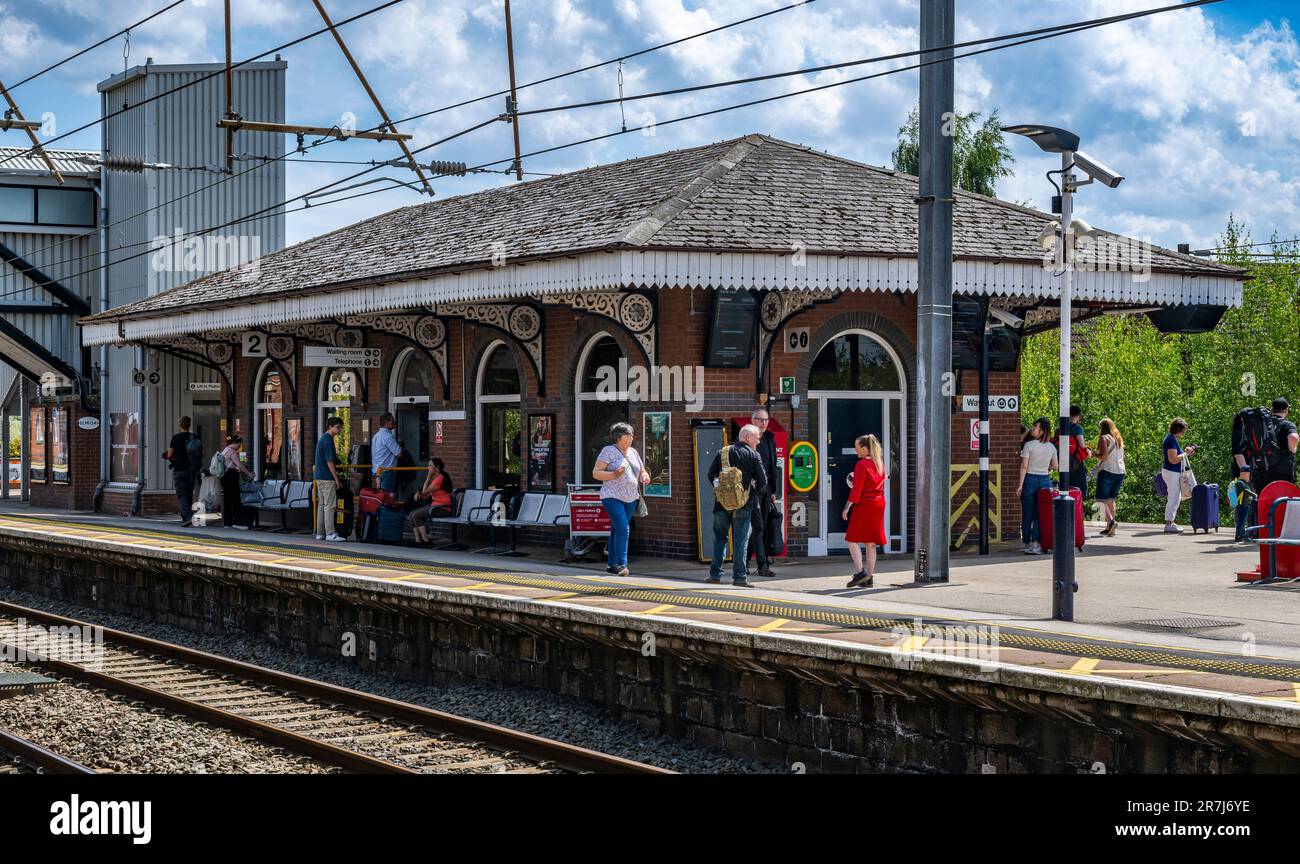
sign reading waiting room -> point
(324, 357)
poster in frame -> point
(656, 443)
(541, 453)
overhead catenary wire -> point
(1044, 33)
(109, 38)
(300, 148)
(203, 78)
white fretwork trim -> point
(607, 271)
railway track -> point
(35, 757)
(356, 731)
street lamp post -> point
(1054, 140)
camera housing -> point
(1096, 170)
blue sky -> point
(1199, 108)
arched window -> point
(499, 420)
(854, 361)
(409, 393)
(602, 400)
(268, 425)
(338, 387)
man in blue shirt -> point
(326, 477)
(384, 452)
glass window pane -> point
(501, 375)
(875, 368)
(17, 204)
(271, 388)
(604, 355)
(501, 447)
(853, 362)
(65, 206)
(598, 415)
(813, 499)
(36, 446)
(417, 376)
(58, 444)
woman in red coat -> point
(865, 510)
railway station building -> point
(508, 329)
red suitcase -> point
(372, 500)
(1046, 523)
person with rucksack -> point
(227, 467)
(185, 456)
(1264, 444)
(1079, 452)
(739, 482)
(621, 472)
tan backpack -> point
(732, 493)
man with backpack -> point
(1264, 444)
(739, 483)
(185, 455)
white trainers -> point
(334, 538)
(1034, 549)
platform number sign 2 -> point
(254, 345)
(797, 340)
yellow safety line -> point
(913, 643)
(774, 624)
(1084, 666)
(657, 610)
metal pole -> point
(24, 442)
(514, 96)
(230, 100)
(934, 302)
(105, 439)
(1063, 584)
(984, 438)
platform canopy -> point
(755, 212)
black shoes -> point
(741, 583)
(616, 571)
(861, 580)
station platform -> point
(1154, 609)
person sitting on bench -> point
(437, 492)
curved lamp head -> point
(1050, 138)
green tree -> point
(1125, 369)
(980, 156)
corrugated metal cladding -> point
(180, 129)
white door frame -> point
(267, 368)
(480, 400)
(396, 400)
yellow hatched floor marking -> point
(1083, 666)
(564, 596)
(658, 610)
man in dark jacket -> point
(745, 457)
(183, 473)
(763, 504)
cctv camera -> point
(1096, 170)
(1007, 318)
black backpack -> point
(1254, 435)
(194, 450)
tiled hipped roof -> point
(756, 194)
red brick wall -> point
(83, 468)
(683, 331)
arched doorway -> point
(267, 445)
(409, 392)
(856, 386)
(338, 387)
(499, 420)
(600, 401)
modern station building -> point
(509, 329)
(117, 225)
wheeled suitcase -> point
(1205, 507)
(368, 527)
(392, 522)
(1046, 523)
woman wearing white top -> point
(621, 471)
(1110, 471)
(1037, 462)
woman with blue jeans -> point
(622, 473)
(1037, 462)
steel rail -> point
(40, 756)
(522, 744)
